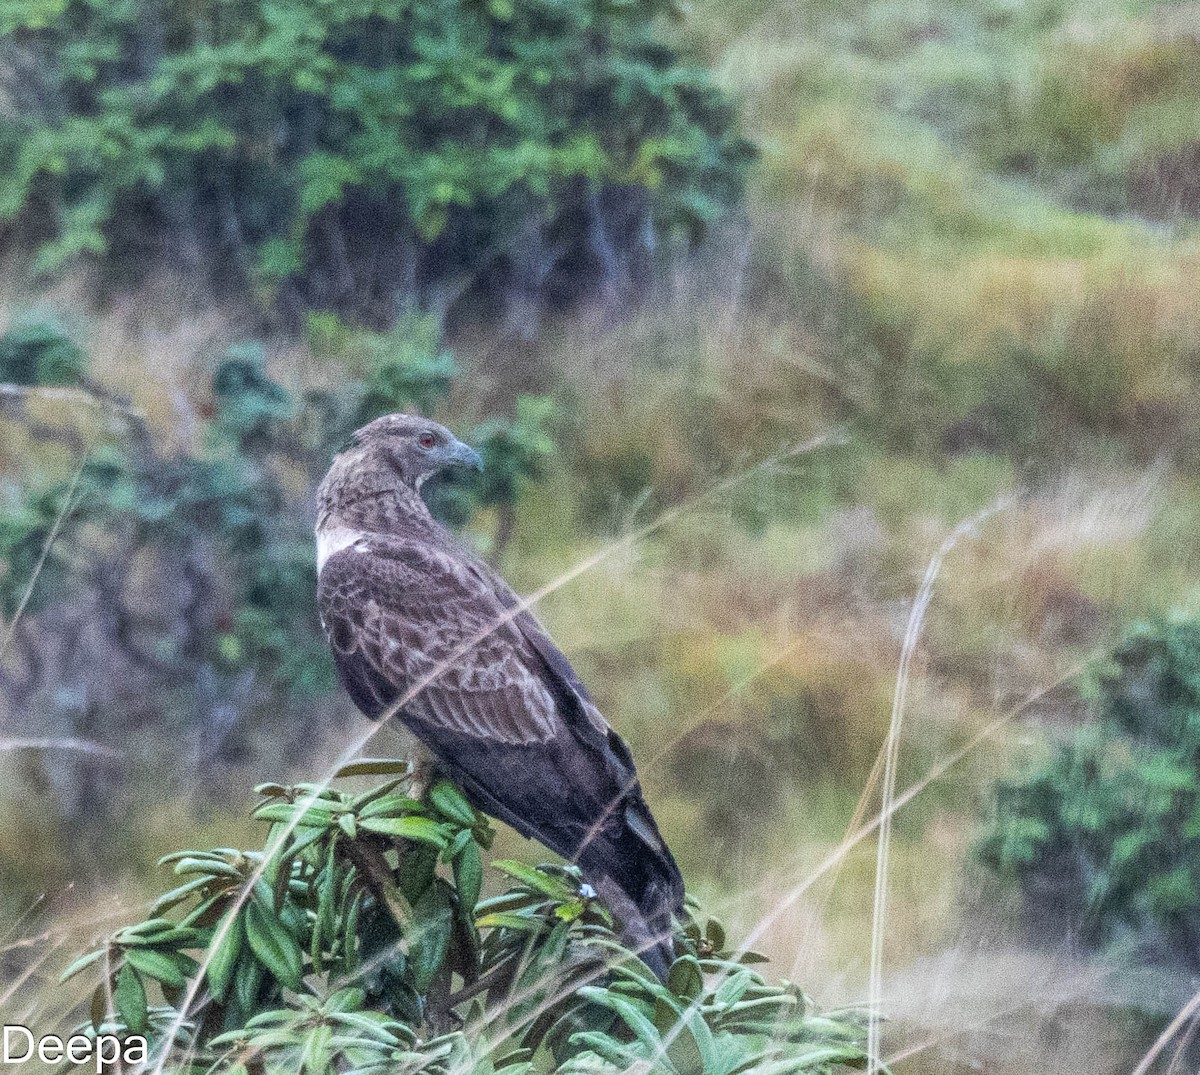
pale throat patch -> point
(333, 539)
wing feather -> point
(398, 613)
(504, 713)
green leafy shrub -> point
(248, 401)
(1105, 835)
(38, 352)
(366, 157)
(515, 451)
(356, 939)
(225, 648)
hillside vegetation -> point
(755, 303)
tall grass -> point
(932, 282)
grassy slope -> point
(945, 250)
(951, 247)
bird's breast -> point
(333, 539)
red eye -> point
(427, 440)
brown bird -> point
(503, 714)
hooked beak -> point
(462, 455)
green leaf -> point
(771, 1008)
(536, 880)
(464, 837)
(507, 920)
(214, 867)
(375, 767)
(147, 930)
(733, 988)
(311, 817)
(315, 1054)
(98, 1009)
(714, 933)
(509, 901)
(632, 1016)
(685, 978)
(212, 856)
(82, 963)
(555, 946)
(174, 937)
(391, 805)
(129, 996)
(695, 1049)
(468, 874)
(273, 944)
(433, 924)
(378, 792)
(156, 965)
(204, 913)
(350, 931)
(450, 803)
(247, 981)
(571, 912)
(224, 957)
(685, 1055)
(177, 895)
(420, 829)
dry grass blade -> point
(70, 395)
(82, 746)
(839, 853)
(1035, 994)
(63, 514)
(98, 402)
(1187, 1012)
(891, 757)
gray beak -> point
(462, 455)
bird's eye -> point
(427, 440)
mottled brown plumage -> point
(499, 707)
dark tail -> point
(635, 874)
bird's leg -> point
(421, 773)
(437, 1008)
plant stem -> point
(375, 870)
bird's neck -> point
(380, 511)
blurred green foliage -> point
(970, 244)
(223, 529)
(407, 363)
(1105, 835)
(40, 352)
(362, 156)
(356, 940)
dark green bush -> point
(38, 352)
(226, 649)
(1105, 835)
(364, 157)
(247, 401)
(356, 941)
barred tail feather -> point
(636, 876)
(647, 931)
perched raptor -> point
(499, 708)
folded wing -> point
(434, 633)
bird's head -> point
(401, 449)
